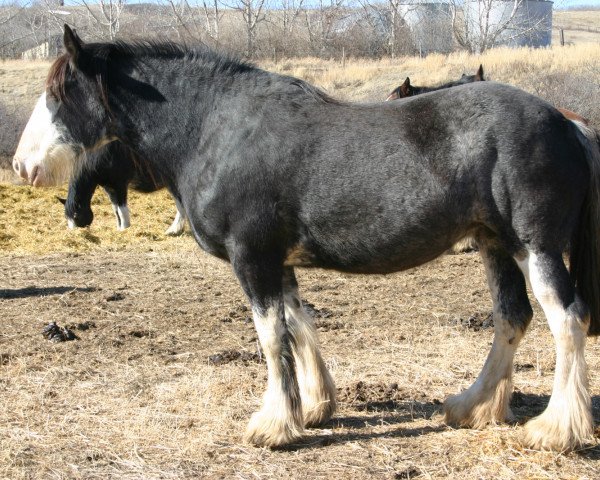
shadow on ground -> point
(8, 293)
(524, 406)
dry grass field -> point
(166, 370)
(579, 26)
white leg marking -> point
(71, 223)
(124, 220)
(115, 208)
(567, 421)
(317, 388)
(487, 400)
(177, 226)
(277, 423)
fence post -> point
(562, 37)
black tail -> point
(585, 246)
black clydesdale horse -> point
(273, 174)
(114, 167)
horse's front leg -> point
(317, 388)
(279, 421)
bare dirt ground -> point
(165, 373)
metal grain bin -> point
(506, 22)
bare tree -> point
(291, 10)
(320, 23)
(13, 25)
(253, 14)
(481, 24)
(212, 15)
(104, 16)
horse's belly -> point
(372, 254)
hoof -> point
(542, 433)
(266, 431)
(173, 232)
(462, 411)
(318, 414)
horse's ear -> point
(405, 88)
(62, 200)
(479, 74)
(73, 45)
(76, 35)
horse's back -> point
(413, 177)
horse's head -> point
(77, 215)
(478, 77)
(70, 117)
(403, 91)
(408, 90)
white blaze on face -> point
(42, 158)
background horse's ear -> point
(72, 44)
(405, 88)
(479, 74)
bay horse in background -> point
(273, 174)
(407, 90)
(114, 168)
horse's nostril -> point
(34, 175)
(16, 166)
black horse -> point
(405, 90)
(273, 174)
(408, 90)
(114, 167)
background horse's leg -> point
(279, 421)
(78, 210)
(178, 224)
(486, 401)
(567, 421)
(118, 198)
(317, 388)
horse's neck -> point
(421, 90)
(157, 127)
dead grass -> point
(580, 26)
(372, 80)
(135, 396)
(32, 221)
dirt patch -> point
(228, 356)
(379, 396)
(476, 322)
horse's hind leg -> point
(486, 401)
(567, 421)
(317, 388)
(279, 421)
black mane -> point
(102, 54)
